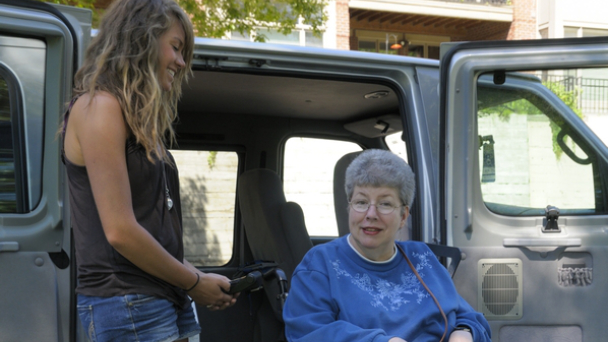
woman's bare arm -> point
(96, 137)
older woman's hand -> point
(460, 336)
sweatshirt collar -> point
(369, 260)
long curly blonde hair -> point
(123, 61)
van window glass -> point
(8, 193)
(396, 145)
(208, 197)
(308, 180)
(22, 124)
(531, 146)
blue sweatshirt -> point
(338, 295)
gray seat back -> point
(275, 228)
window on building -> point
(433, 52)
(380, 42)
(368, 46)
(415, 50)
(591, 83)
(412, 45)
(310, 39)
(274, 36)
(302, 35)
(235, 35)
(299, 36)
(308, 180)
(423, 50)
(377, 46)
(573, 32)
(208, 196)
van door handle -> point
(536, 242)
(9, 246)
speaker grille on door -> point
(500, 288)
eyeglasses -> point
(363, 206)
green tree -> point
(523, 106)
(216, 18)
(569, 97)
(89, 4)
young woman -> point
(133, 280)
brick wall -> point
(342, 25)
(487, 31)
(524, 20)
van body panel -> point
(36, 54)
(544, 295)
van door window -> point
(21, 122)
(530, 155)
(308, 180)
(8, 192)
(208, 197)
(396, 145)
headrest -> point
(340, 200)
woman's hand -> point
(208, 292)
(460, 336)
(397, 339)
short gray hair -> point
(379, 168)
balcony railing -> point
(481, 2)
(591, 93)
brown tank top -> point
(104, 272)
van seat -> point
(275, 229)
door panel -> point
(526, 185)
(36, 65)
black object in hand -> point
(243, 283)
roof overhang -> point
(437, 8)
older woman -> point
(368, 287)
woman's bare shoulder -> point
(100, 101)
(94, 122)
(100, 114)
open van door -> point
(37, 62)
(525, 184)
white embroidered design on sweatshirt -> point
(386, 294)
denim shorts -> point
(135, 318)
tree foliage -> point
(88, 4)
(569, 97)
(523, 106)
(217, 18)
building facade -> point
(418, 27)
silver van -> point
(507, 141)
